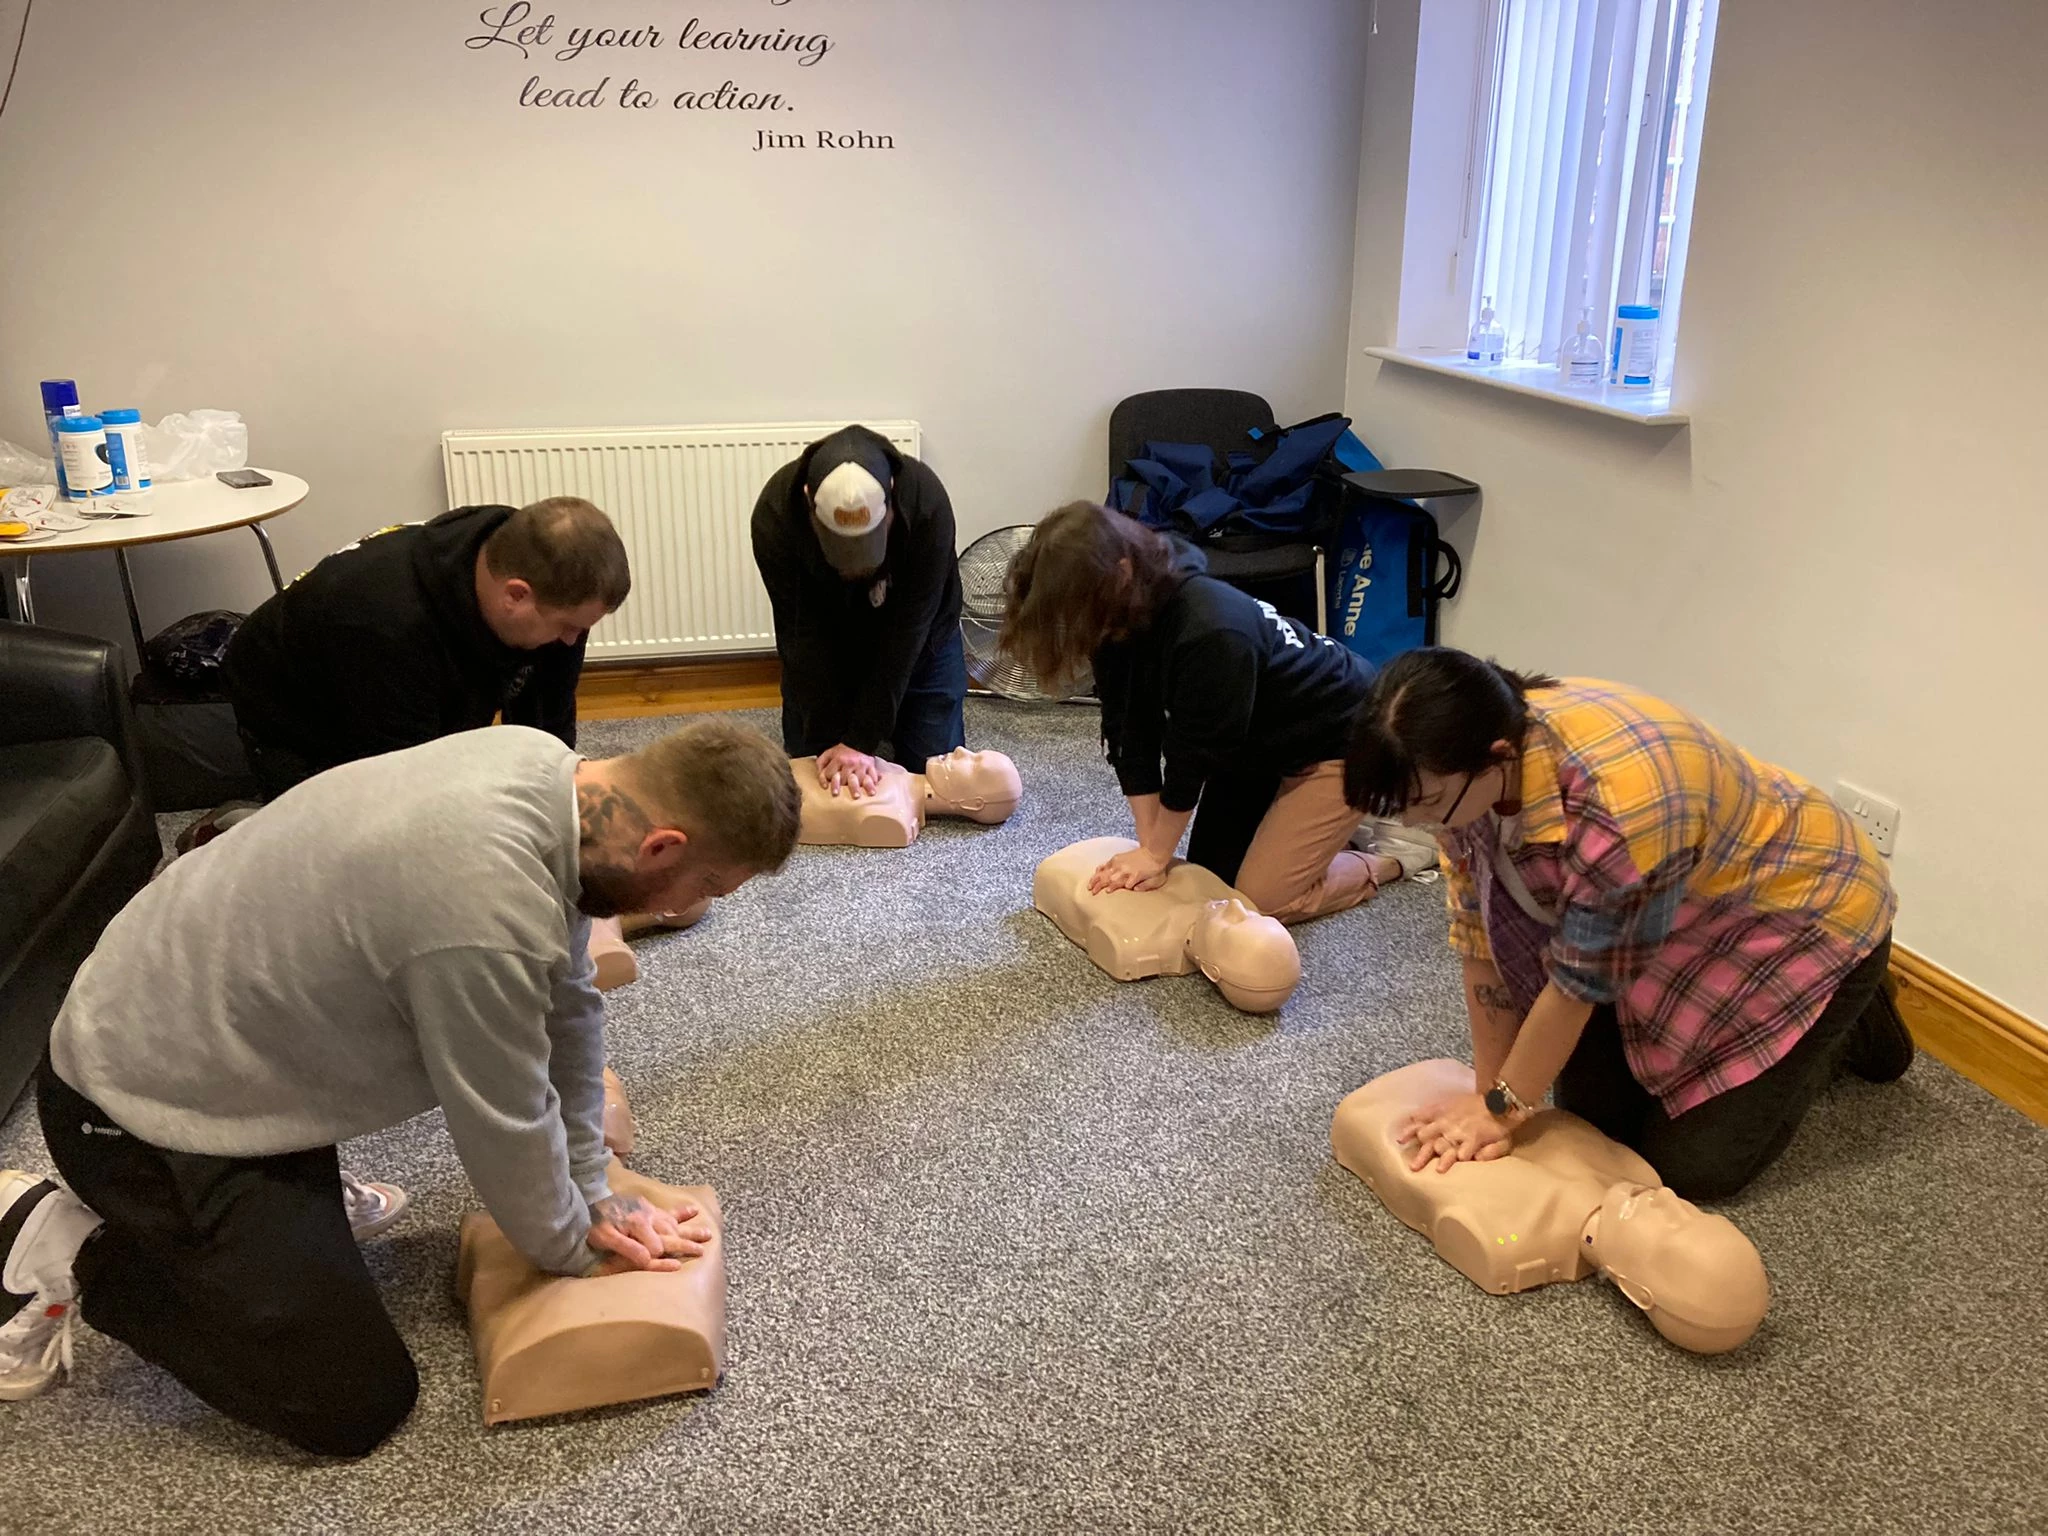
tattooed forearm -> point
(1498, 999)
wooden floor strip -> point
(1992, 1045)
(629, 691)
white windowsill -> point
(1645, 407)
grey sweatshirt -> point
(393, 934)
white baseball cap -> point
(852, 512)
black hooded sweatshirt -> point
(848, 658)
(1219, 683)
(382, 646)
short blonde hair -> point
(726, 787)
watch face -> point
(1496, 1102)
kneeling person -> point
(414, 633)
(855, 545)
(424, 630)
(399, 933)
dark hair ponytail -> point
(1433, 710)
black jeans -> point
(931, 721)
(1233, 804)
(238, 1275)
(277, 769)
(1715, 1148)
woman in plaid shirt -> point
(1684, 943)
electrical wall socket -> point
(1880, 818)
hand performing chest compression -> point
(632, 1232)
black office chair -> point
(1223, 419)
(1285, 569)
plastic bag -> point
(20, 467)
(190, 447)
(190, 652)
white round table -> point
(180, 509)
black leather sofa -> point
(77, 835)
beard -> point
(609, 891)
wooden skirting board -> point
(1987, 1042)
(630, 690)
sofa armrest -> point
(54, 685)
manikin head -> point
(694, 815)
(549, 572)
(1694, 1274)
(1250, 957)
(982, 786)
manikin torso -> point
(1193, 922)
(548, 1344)
(1566, 1203)
(977, 786)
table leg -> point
(24, 601)
(128, 594)
(269, 556)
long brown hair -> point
(1068, 592)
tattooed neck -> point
(610, 821)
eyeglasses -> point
(1449, 811)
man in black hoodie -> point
(422, 630)
(855, 545)
(416, 632)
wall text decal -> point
(540, 39)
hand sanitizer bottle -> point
(1582, 360)
(1488, 343)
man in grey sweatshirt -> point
(399, 933)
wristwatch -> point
(1502, 1101)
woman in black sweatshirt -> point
(1209, 697)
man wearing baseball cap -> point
(855, 544)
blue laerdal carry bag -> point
(1280, 486)
(1389, 570)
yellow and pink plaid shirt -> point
(1714, 900)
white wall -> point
(337, 220)
(1839, 563)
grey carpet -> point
(1015, 1248)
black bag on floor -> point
(192, 749)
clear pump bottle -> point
(1488, 343)
(1582, 360)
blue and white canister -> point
(124, 451)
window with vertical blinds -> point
(1584, 199)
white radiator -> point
(682, 497)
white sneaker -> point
(1415, 851)
(371, 1207)
(42, 1227)
(35, 1348)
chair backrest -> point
(1217, 417)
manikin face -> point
(971, 780)
(1250, 957)
(1693, 1272)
